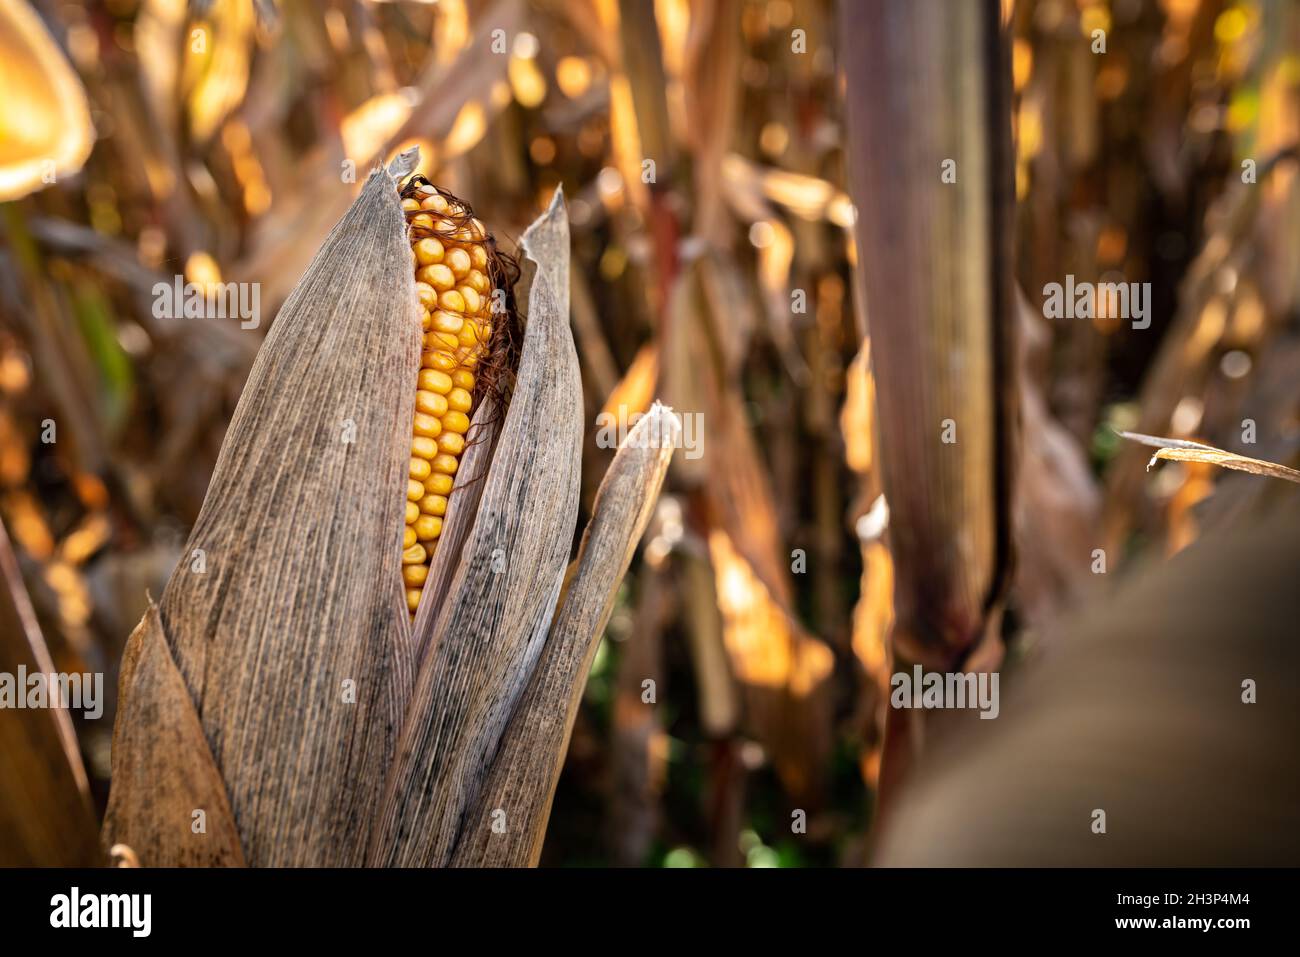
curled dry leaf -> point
(1183, 450)
(526, 769)
(497, 610)
(1227, 460)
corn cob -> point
(454, 260)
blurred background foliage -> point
(701, 147)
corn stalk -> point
(930, 173)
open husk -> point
(279, 686)
(497, 609)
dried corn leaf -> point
(216, 68)
(781, 668)
(716, 695)
(1184, 450)
(784, 672)
(45, 813)
(45, 129)
(1227, 460)
(633, 392)
(527, 767)
(297, 660)
(494, 619)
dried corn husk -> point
(281, 688)
(521, 784)
(282, 627)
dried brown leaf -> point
(1227, 460)
(46, 130)
(45, 813)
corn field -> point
(649, 433)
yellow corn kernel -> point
(451, 301)
(412, 599)
(468, 296)
(478, 282)
(412, 513)
(427, 425)
(428, 251)
(439, 358)
(415, 575)
(414, 489)
(439, 484)
(432, 380)
(458, 260)
(419, 469)
(408, 537)
(427, 527)
(444, 463)
(470, 334)
(410, 205)
(438, 276)
(423, 447)
(428, 296)
(442, 341)
(443, 321)
(423, 221)
(459, 399)
(415, 555)
(431, 403)
(455, 421)
(462, 379)
(452, 443)
(435, 202)
(434, 505)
